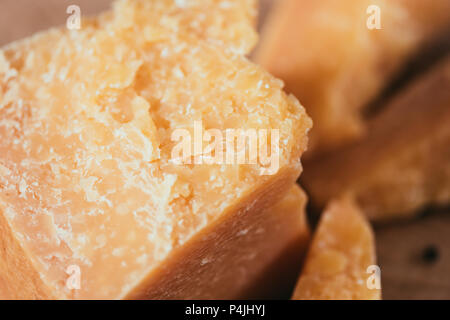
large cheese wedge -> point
(332, 59)
(340, 264)
(273, 242)
(403, 165)
(89, 180)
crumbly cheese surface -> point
(86, 118)
(341, 252)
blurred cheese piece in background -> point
(335, 64)
(403, 165)
(340, 264)
(87, 178)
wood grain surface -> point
(414, 256)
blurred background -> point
(414, 255)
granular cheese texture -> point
(334, 58)
(341, 253)
(227, 23)
(87, 177)
(403, 164)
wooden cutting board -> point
(414, 256)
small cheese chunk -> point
(89, 181)
(334, 59)
(403, 164)
(340, 264)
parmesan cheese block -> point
(334, 59)
(341, 260)
(262, 253)
(403, 165)
(89, 182)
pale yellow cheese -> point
(340, 264)
(334, 59)
(87, 177)
(285, 221)
(402, 166)
(262, 254)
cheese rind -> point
(339, 262)
(403, 164)
(335, 65)
(258, 259)
(18, 278)
(87, 176)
